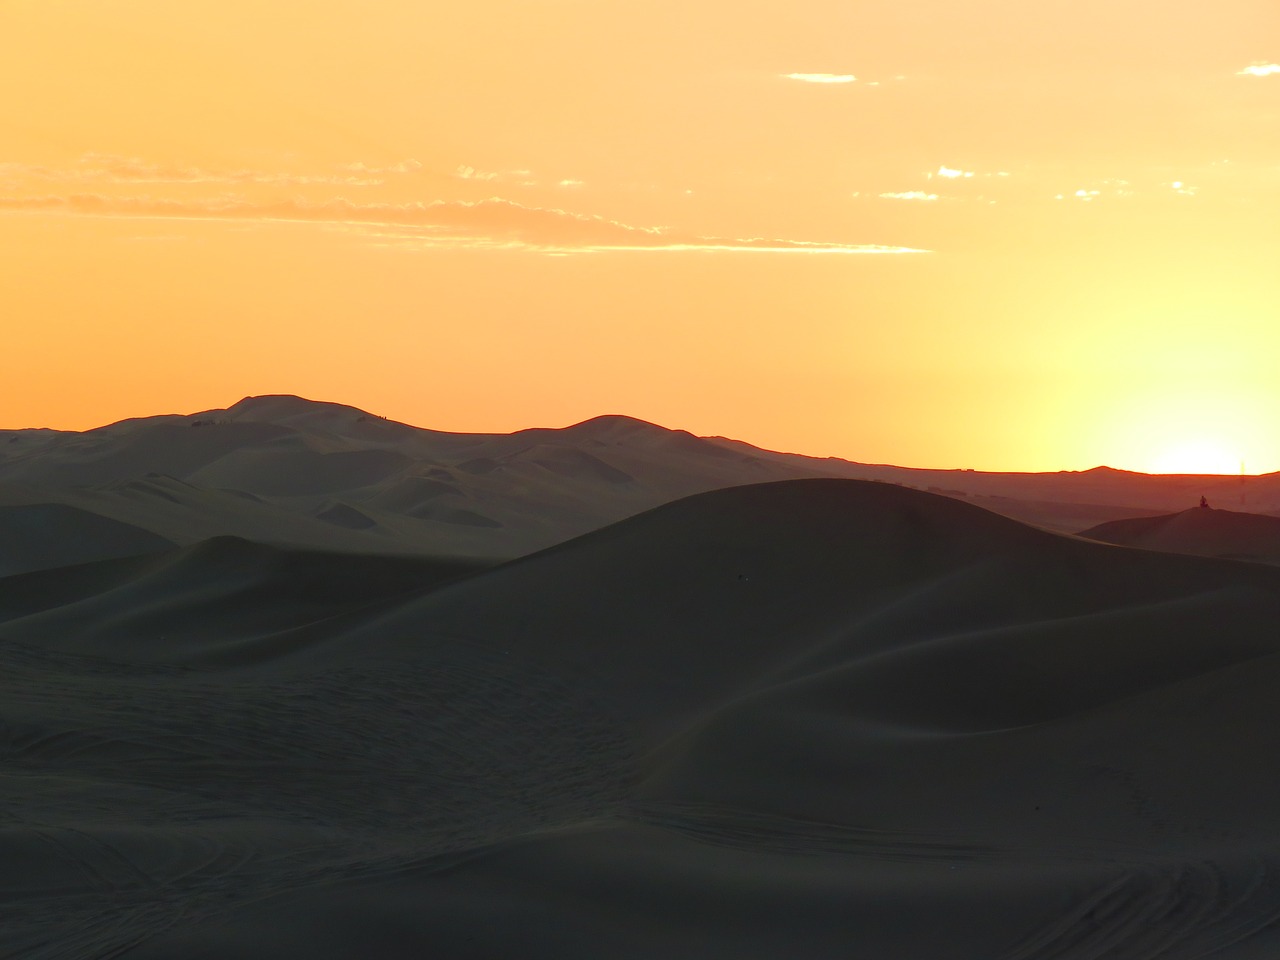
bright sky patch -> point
(821, 77)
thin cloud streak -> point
(1260, 70)
(821, 77)
(104, 168)
(466, 172)
(404, 166)
(490, 223)
(523, 178)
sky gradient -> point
(997, 234)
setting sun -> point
(1172, 421)
(1198, 457)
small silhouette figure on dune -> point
(1204, 503)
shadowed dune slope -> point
(813, 719)
(725, 591)
(39, 536)
(1200, 531)
(183, 605)
(166, 445)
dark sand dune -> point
(413, 493)
(815, 719)
(1204, 532)
(343, 515)
(286, 472)
(187, 604)
(182, 513)
(508, 494)
(37, 536)
(166, 445)
(576, 464)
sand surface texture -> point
(811, 719)
(1205, 532)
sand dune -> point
(185, 514)
(221, 591)
(305, 472)
(811, 719)
(302, 473)
(1204, 532)
(36, 536)
(344, 515)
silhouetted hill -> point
(1205, 532)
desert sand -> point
(1206, 532)
(812, 718)
(298, 473)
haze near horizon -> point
(995, 235)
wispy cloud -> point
(404, 166)
(106, 168)
(466, 172)
(494, 222)
(524, 178)
(1122, 189)
(909, 195)
(952, 173)
(821, 77)
(1260, 69)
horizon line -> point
(650, 423)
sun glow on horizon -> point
(1198, 456)
(1216, 427)
(697, 214)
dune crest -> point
(1206, 532)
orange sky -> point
(994, 234)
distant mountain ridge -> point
(303, 473)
